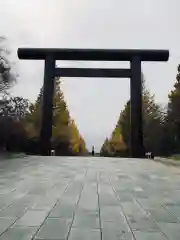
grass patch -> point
(175, 157)
(10, 155)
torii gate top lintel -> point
(93, 54)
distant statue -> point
(93, 151)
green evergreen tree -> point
(62, 129)
(173, 118)
(152, 123)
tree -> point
(82, 146)
(173, 118)
(60, 130)
(152, 123)
(152, 119)
(117, 144)
(15, 107)
(7, 78)
(114, 146)
(124, 122)
(65, 135)
(105, 151)
(12, 131)
(77, 143)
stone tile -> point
(141, 194)
(171, 230)
(142, 224)
(174, 210)
(13, 211)
(86, 220)
(126, 198)
(106, 200)
(5, 201)
(150, 203)
(132, 209)
(63, 210)
(5, 223)
(149, 236)
(84, 234)
(119, 225)
(109, 234)
(172, 203)
(32, 218)
(111, 214)
(161, 215)
(112, 219)
(46, 203)
(18, 234)
(69, 198)
(74, 189)
(54, 229)
(89, 201)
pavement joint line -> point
(151, 218)
(80, 192)
(178, 219)
(13, 222)
(33, 237)
(2, 209)
(99, 210)
(122, 211)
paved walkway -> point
(58, 198)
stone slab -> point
(18, 234)
(54, 229)
(5, 223)
(84, 234)
(32, 218)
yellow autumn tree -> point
(115, 146)
(66, 139)
(77, 146)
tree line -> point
(161, 126)
(20, 119)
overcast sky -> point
(95, 104)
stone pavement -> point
(58, 198)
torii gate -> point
(135, 56)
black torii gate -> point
(135, 56)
